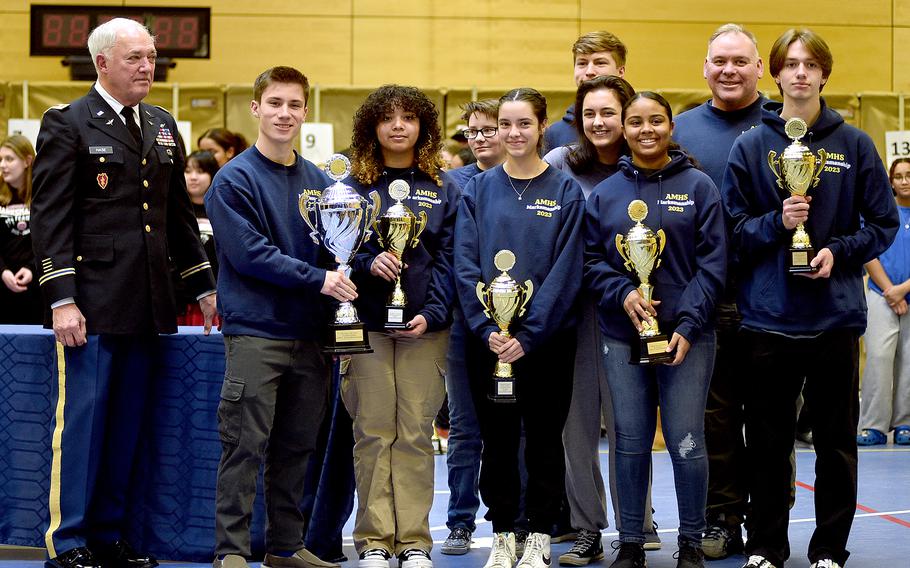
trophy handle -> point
(822, 160)
(419, 226)
(375, 222)
(483, 299)
(775, 168)
(307, 204)
(529, 289)
(662, 242)
(372, 216)
(622, 252)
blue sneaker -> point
(902, 435)
(872, 437)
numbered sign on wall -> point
(897, 144)
(317, 141)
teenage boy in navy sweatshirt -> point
(806, 324)
(732, 69)
(272, 297)
(594, 54)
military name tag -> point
(94, 150)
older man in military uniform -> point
(110, 204)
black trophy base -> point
(395, 318)
(346, 339)
(503, 390)
(798, 260)
(651, 351)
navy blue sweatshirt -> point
(682, 201)
(543, 229)
(852, 213)
(561, 133)
(427, 281)
(461, 175)
(268, 275)
(707, 133)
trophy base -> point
(798, 260)
(650, 351)
(503, 390)
(347, 338)
(395, 318)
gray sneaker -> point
(458, 542)
(303, 558)
(721, 540)
(652, 540)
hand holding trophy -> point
(398, 229)
(342, 218)
(504, 300)
(641, 248)
(796, 171)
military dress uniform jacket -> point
(107, 213)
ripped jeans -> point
(681, 392)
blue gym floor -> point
(880, 536)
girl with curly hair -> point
(395, 392)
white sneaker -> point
(374, 558)
(825, 563)
(537, 551)
(415, 558)
(502, 554)
(758, 561)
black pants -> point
(728, 490)
(544, 391)
(774, 372)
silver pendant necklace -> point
(522, 192)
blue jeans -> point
(465, 445)
(681, 393)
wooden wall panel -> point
(784, 12)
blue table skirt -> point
(172, 500)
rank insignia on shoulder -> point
(102, 180)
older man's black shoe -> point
(76, 558)
(121, 555)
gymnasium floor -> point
(880, 536)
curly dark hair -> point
(366, 154)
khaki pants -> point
(393, 396)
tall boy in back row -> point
(805, 324)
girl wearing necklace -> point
(674, 196)
(394, 393)
(534, 211)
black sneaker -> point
(631, 555)
(689, 556)
(587, 548)
(722, 540)
(458, 542)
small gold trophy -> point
(398, 229)
(641, 248)
(504, 300)
(796, 170)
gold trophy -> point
(641, 248)
(504, 300)
(796, 170)
(398, 229)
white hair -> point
(104, 37)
